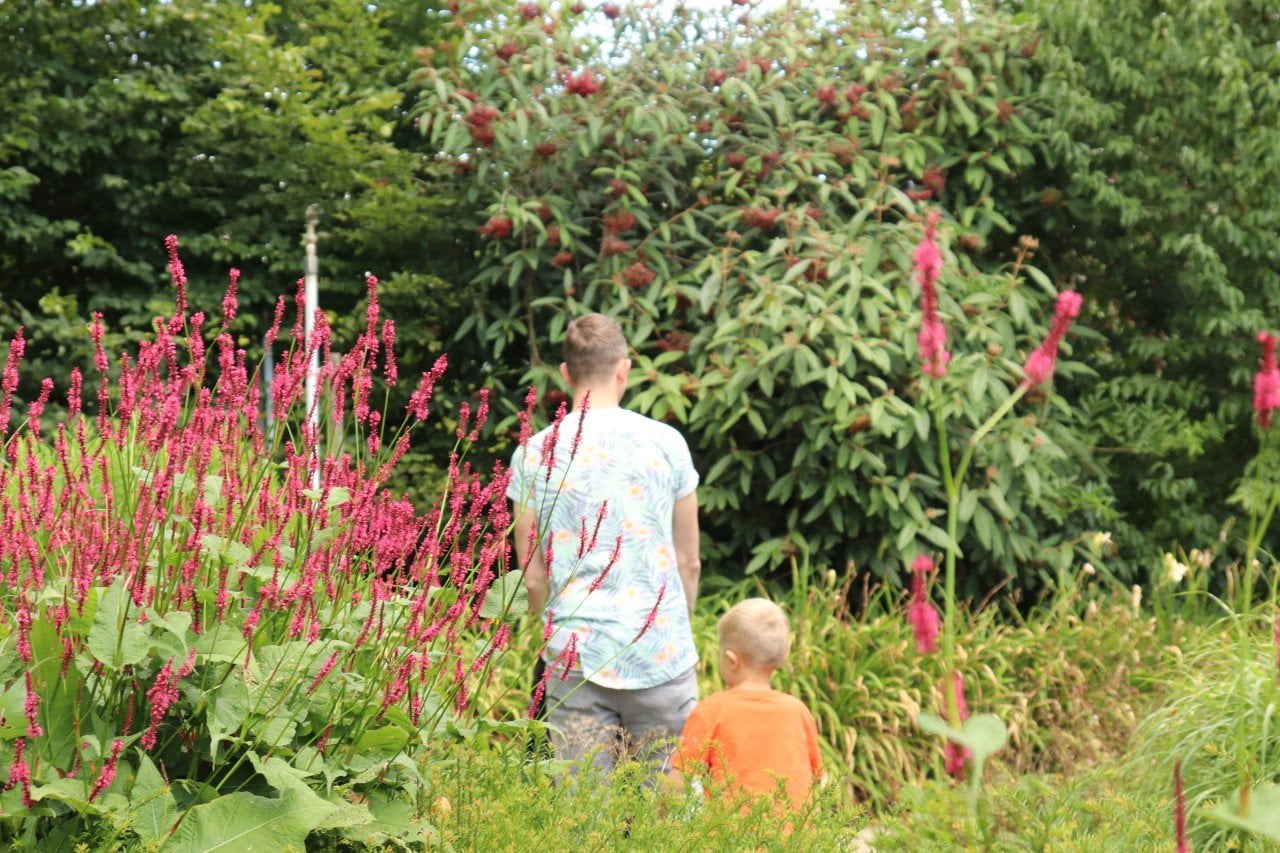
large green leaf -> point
(983, 734)
(507, 597)
(1262, 816)
(228, 707)
(152, 807)
(247, 823)
(116, 639)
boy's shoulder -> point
(776, 699)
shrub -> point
(215, 629)
(744, 200)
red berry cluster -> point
(619, 221)
(637, 276)
(496, 228)
(480, 123)
(760, 218)
(583, 83)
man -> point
(607, 498)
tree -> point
(1157, 189)
(222, 123)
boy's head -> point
(755, 637)
(595, 350)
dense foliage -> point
(1157, 190)
(223, 122)
(214, 633)
(1130, 139)
(749, 219)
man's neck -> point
(600, 398)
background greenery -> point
(1129, 138)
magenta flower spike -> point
(923, 616)
(1040, 364)
(1179, 810)
(1266, 382)
(954, 754)
(932, 337)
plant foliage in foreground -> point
(199, 643)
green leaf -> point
(279, 773)
(507, 598)
(246, 822)
(228, 707)
(235, 553)
(983, 734)
(152, 807)
(1262, 817)
(116, 639)
(73, 792)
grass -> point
(1071, 680)
(494, 798)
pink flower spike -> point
(932, 337)
(927, 259)
(20, 772)
(1040, 364)
(923, 616)
(954, 758)
(1266, 382)
(653, 614)
(108, 774)
(229, 302)
(956, 755)
(32, 709)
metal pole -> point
(311, 303)
(268, 380)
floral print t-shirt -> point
(614, 581)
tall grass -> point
(1217, 694)
(1071, 679)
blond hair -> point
(758, 630)
(593, 345)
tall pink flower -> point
(923, 616)
(20, 772)
(108, 774)
(932, 337)
(653, 614)
(1041, 362)
(31, 708)
(954, 754)
(1266, 382)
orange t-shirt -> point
(750, 739)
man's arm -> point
(684, 528)
(536, 582)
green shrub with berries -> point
(745, 198)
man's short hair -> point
(758, 630)
(593, 345)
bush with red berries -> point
(746, 202)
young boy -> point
(752, 738)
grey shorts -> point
(603, 722)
